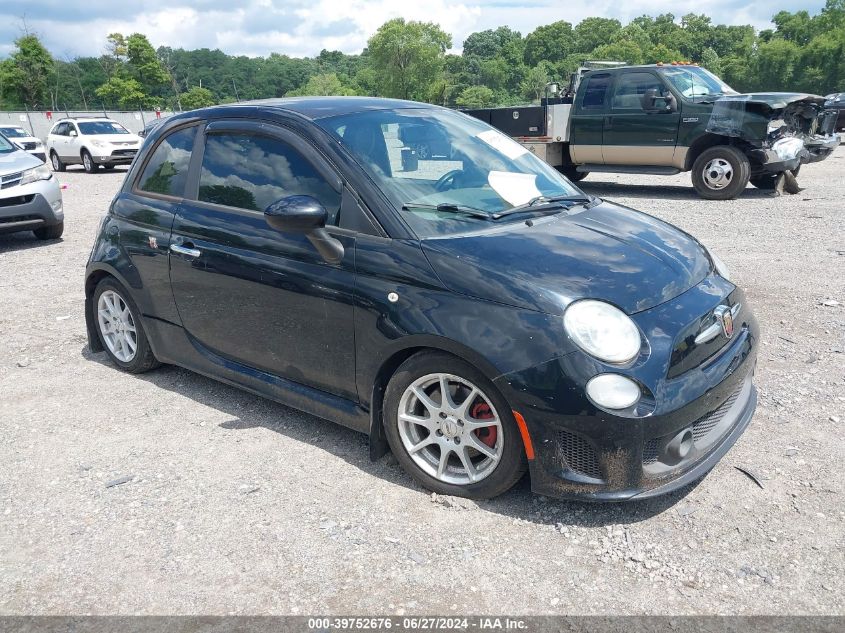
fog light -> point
(56, 205)
(613, 391)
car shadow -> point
(611, 190)
(248, 411)
(22, 241)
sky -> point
(70, 28)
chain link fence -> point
(38, 123)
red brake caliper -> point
(487, 434)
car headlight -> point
(602, 330)
(720, 266)
(100, 143)
(42, 172)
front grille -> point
(10, 180)
(701, 429)
(578, 454)
(703, 425)
(651, 450)
(16, 200)
(19, 218)
(124, 152)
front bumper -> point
(815, 149)
(31, 206)
(585, 453)
(115, 157)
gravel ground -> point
(170, 493)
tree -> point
(196, 98)
(550, 43)
(408, 57)
(476, 97)
(323, 85)
(123, 92)
(591, 33)
(28, 71)
(491, 43)
(536, 79)
(144, 64)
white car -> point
(24, 140)
(91, 142)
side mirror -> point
(72, 133)
(653, 101)
(305, 214)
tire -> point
(50, 232)
(767, 182)
(573, 174)
(88, 163)
(121, 354)
(108, 167)
(56, 162)
(721, 173)
(494, 451)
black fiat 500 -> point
(475, 313)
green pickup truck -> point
(665, 119)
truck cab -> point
(666, 119)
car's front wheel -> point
(87, 162)
(451, 429)
(53, 232)
(119, 328)
(56, 162)
(721, 173)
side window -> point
(61, 129)
(631, 88)
(252, 172)
(595, 91)
(167, 170)
(70, 127)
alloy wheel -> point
(450, 429)
(117, 326)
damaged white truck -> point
(670, 118)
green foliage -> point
(408, 57)
(476, 97)
(25, 74)
(196, 98)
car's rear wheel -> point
(451, 429)
(53, 232)
(721, 173)
(56, 162)
(88, 163)
(119, 328)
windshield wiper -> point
(545, 205)
(449, 207)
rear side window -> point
(167, 170)
(252, 172)
(595, 91)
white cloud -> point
(303, 27)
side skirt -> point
(175, 347)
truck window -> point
(595, 91)
(631, 87)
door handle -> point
(185, 250)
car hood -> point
(607, 252)
(747, 116)
(17, 161)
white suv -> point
(24, 140)
(91, 143)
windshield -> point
(694, 82)
(12, 132)
(101, 127)
(445, 171)
(5, 146)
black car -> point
(477, 316)
(837, 102)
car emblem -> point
(726, 320)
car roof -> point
(314, 108)
(85, 119)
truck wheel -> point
(720, 173)
(573, 174)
